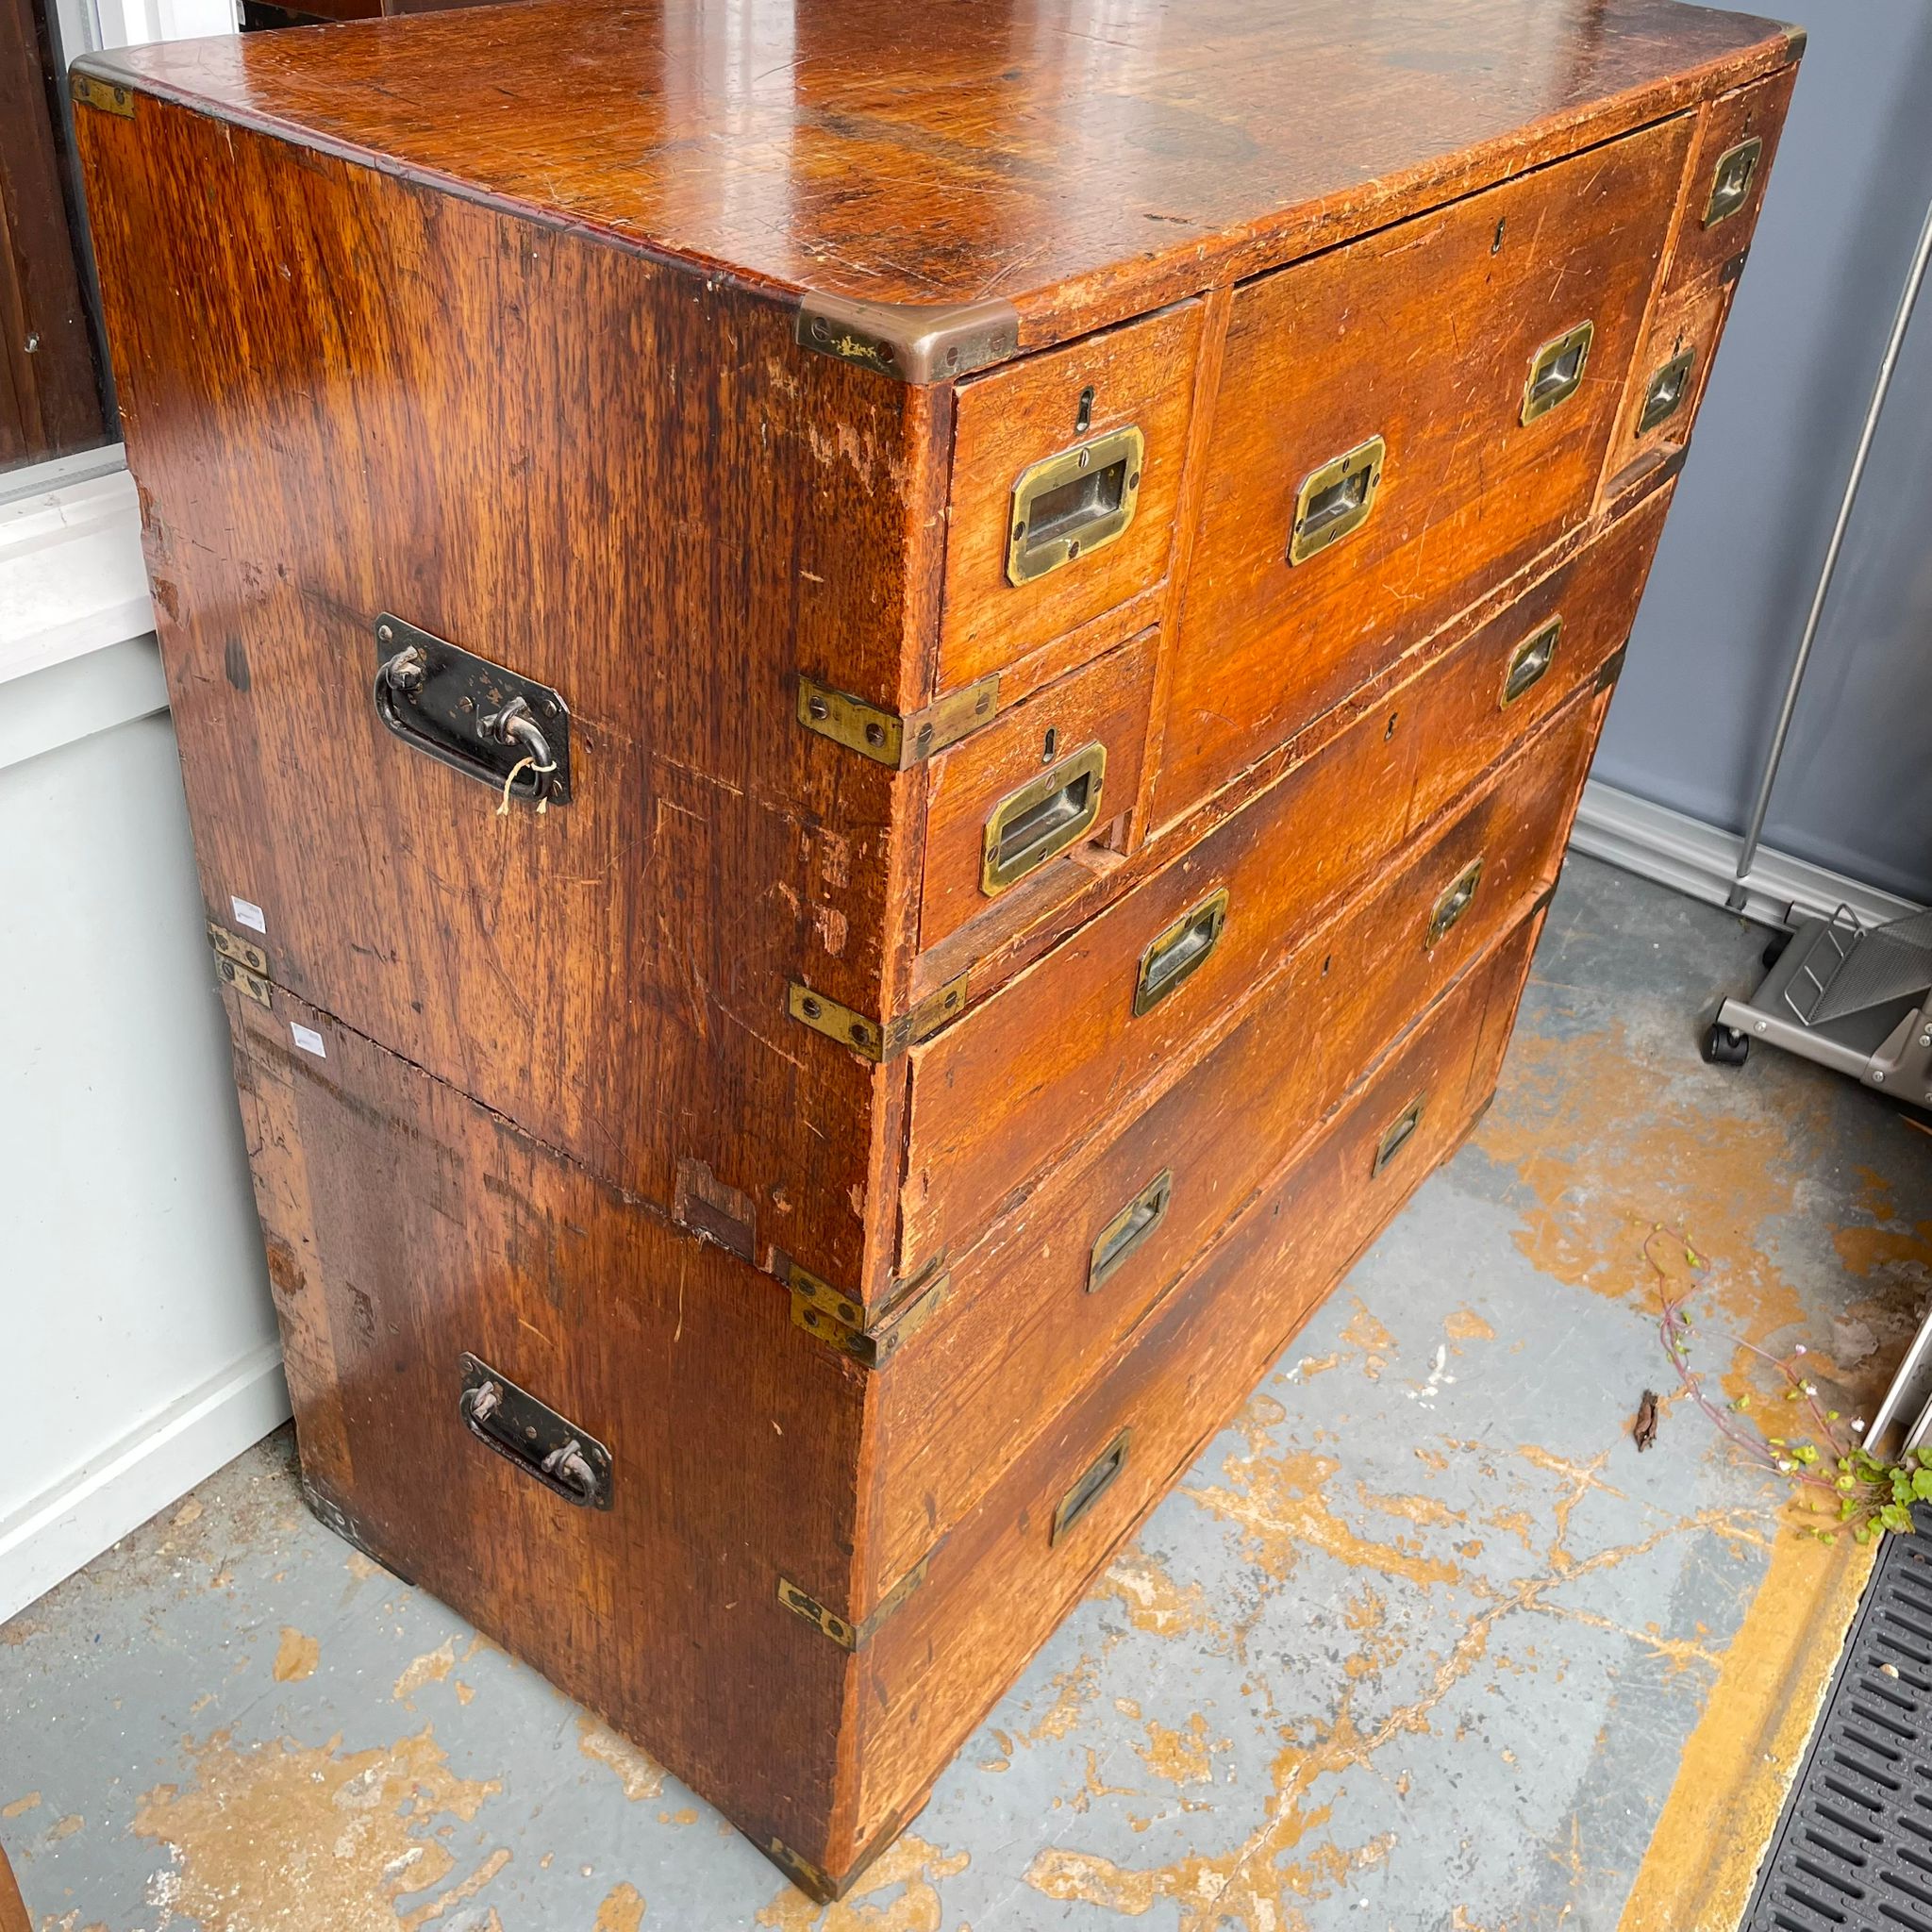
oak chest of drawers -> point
(877, 709)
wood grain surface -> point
(1084, 164)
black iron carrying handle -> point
(543, 1443)
(478, 718)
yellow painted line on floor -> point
(1739, 1760)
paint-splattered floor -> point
(1421, 1642)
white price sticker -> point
(308, 1040)
(248, 914)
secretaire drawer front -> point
(1066, 470)
(1054, 1057)
(1496, 688)
(1032, 1312)
(1401, 423)
(1086, 1479)
(1057, 771)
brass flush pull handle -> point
(1069, 506)
(1041, 819)
(1456, 901)
(1529, 660)
(1130, 1228)
(1334, 501)
(1730, 181)
(1398, 1133)
(542, 1444)
(1091, 1487)
(1665, 395)
(1179, 950)
(1555, 371)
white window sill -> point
(72, 579)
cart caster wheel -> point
(1774, 949)
(1725, 1046)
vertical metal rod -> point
(1747, 857)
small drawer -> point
(1667, 379)
(1057, 772)
(1116, 1445)
(1031, 1312)
(1401, 425)
(1737, 141)
(1066, 470)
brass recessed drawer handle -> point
(1664, 395)
(1129, 1228)
(1731, 179)
(478, 718)
(1398, 1133)
(1091, 1487)
(1555, 371)
(1529, 661)
(1456, 900)
(1070, 505)
(1335, 500)
(542, 1444)
(1041, 819)
(1179, 950)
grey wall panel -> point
(1719, 627)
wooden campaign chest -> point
(877, 706)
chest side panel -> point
(347, 396)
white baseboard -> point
(1697, 859)
(96, 1504)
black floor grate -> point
(1854, 1848)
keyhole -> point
(1084, 421)
(1496, 247)
(1050, 745)
(1395, 718)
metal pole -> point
(1910, 295)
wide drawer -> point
(1060, 1051)
(1031, 1314)
(1006, 1576)
(1401, 425)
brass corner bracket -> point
(910, 342)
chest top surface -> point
(1077, 159)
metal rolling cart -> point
(1836, 991)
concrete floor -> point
(1419, 1642)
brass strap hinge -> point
(242, 964)
(888, 737)
(845, 1634)
(877, 1042)
(110, 96)
(820, 1309)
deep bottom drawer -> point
(1030, 1313)
(999, 1584)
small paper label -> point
(248, 914)
(308, 1040)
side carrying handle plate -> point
(1129, 1228)
(541, 1442)
(1731, 179)
(1555, 371)
(1041, 819)
(1664, 395)
(1091, 1487)
(1069, 506)
(476, 717)
(1456, 900)
(1399, 1133)
(1179, 950)
(1334, 501)
(1529, 660)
